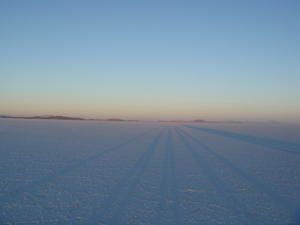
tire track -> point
(272, 144)
(31, 188)
(223, 190)
(253, 181)
(169, 200)
(123, 191)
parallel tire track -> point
(33, 186)
(116, 203)
(253, 181)
(223, 190)
(271, 144)
(169, 200)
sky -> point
(214, 60)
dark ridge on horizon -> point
(114, 120)
(183, 121)
(60, 117)
(55, 117)
(199, 121)
(43, 117)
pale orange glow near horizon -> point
(146, 110)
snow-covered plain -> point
(85, 172)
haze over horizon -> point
(212, 60)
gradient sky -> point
(151, 59)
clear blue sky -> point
(151, 59)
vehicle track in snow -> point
(169, 206)
(250, 179)
(30, 188)
(112, 208)
(223, 190)
(269, 143)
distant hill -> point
(58, 117)
(197, 121)
(182, 121)
(115, 120)
(43, 117)
(55, 118)
(64, 118)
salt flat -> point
(87, 172)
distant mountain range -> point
(55, 117)
(64, 118)
(43, 117)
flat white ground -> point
(80, 172)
